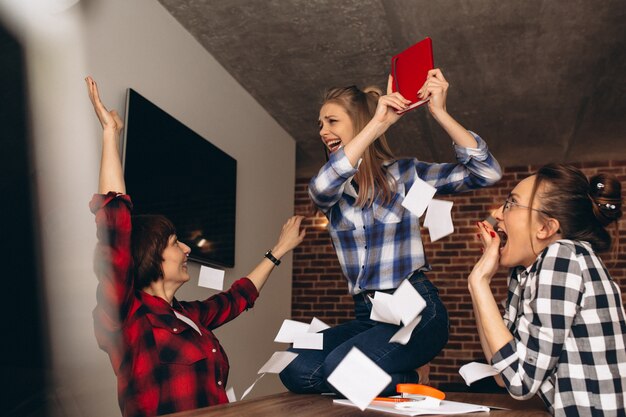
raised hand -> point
(435, 87)
(110, 120)
(290, 236)
(488, 264)
(389, 105)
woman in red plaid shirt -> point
(162, 350)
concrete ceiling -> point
(540, 80)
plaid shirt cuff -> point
(505, 357)
(340, 163)
(480, 153)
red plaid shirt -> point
(162, 364)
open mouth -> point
(503, 237)
(333, 145)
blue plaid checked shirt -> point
(380, 245)
(569, 334)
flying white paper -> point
(408, 302)
(474, 371)
(403, 335)
(438, 219)
(359, 378)
(230, 394)
(418, 197)
(277, 362)
(402, 306)
(211, 278)
(383, 309)
(317, 325)
(309, 341)
(289, 330)
(247, 391)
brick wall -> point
(319, 289)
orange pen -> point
(392, 400)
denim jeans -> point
(308, 372)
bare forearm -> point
(111, 173)
(458, 133)
(494, 333)
(481, 333)
(356, 147)
(261, 273)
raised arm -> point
(386, 115)
(290, 237)
(436, 87)
(111, 173)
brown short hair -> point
(149, 238)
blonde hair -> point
(371, 177)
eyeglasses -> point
(508, 203)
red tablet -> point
(410, 68)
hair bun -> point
(605, 191)
(372, 89)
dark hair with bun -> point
(371, 176)
(584, 208)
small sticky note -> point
(317, 325)
(230, 394)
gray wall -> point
(138, 44)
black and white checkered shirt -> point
(569, 327)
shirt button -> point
(219, 382)
(213, 350)
(363, 267)
(175, 329)
(365, 246)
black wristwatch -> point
(271, 257)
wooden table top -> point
(296, 405)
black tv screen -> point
(171, 170)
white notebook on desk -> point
(445, 408)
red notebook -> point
(410, 68)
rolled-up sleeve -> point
(327, 186)
(544, 325)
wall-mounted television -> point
(171, 170)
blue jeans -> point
(308, 372)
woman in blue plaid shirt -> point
(563, 334)
(378, 243)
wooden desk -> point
(295, 405)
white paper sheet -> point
(230, 394)
(358, 378)
(408, 302)
(438, 219)
(247, 391)
(421, 402)
(277, 362)
(383, 309)
(289, 330)
(403, 335)
(211, 278)
(309, 341)
(445, 408)
(474, 371)
(317, 325)
(418, 197)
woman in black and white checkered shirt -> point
(563, 334)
